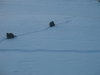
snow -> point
(72, 47)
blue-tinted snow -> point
(72, 47)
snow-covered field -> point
(72, 47)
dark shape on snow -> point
(10, 35)
(51, 24)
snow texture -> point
(71, 47)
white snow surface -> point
(72, 47)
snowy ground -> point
(72, 47)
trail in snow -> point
(27, 33)
(43, 29)
(3, 40)
(64, 22)
(34, 32)
(37, 30)
(46, 50)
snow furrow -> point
(2, 40)
(34, 31)
(47, 50)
